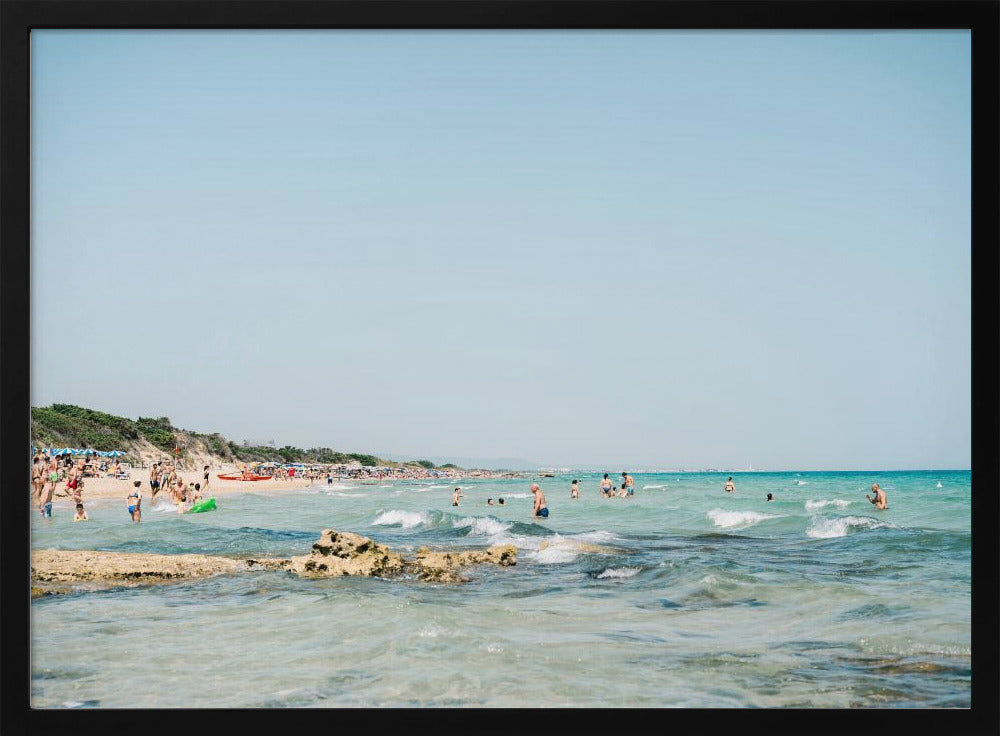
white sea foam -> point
(405, 519)
(734, 519)
(557, 552)
(620, 572)
(163, 506)
(482, 526)
(910, 648)
(558, 549)
(518, 495)
(838, 502)
(651, 487)
(431, 631)
(428, 488)
(825, 528)
(598, 535)
(801, 483)
(939, 485)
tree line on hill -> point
(67, 425)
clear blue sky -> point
(632, 249)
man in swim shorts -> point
(540, 508)
(455, 496)
(628, 485)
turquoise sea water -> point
(681, 596)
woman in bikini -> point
(606, 485)
(135, 502)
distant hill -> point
(147, 439)
(492, 463)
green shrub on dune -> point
(68, 425)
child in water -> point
(80, 514)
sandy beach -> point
(107, 487)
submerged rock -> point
(54, 569)
(442, 567)
(333, 555)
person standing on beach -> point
(730, 488)
(38, 479)
(881, 501)
(154, 478)
(540, 508)
(167, 477)
(606, 485)
(52, 480)
(574, 489)
(204, 479)
(75, 483)
(455, 496)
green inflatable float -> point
(208, 505)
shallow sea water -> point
(682, 596)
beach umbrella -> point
(116, 453)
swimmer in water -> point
(606, 485)
(134, 500)
(540, 508)
(881, 501)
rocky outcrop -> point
(333, 555)
(443, 567)
(63, 566)
(345, 553)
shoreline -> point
(117, 489)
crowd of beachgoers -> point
(186, 485)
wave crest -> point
(734, 519)
(405, 519)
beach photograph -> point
(501, 369)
